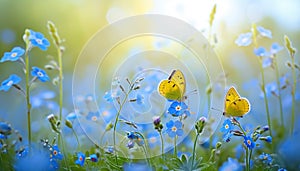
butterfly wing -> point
(170, 90)
(231, 96)
(235, 105)
(238, 107)
(178, 77)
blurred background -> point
(78, 20)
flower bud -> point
(54, 122)
(26, 36)
(267, 139)
(237, 133)
(109, 126)
(130, 144)
(156, 120)
(69, 124)
(200, 125)
(208, 89)
(218, 145)
(157, 123)
(5, 128)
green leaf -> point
(183, 158)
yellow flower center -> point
(178, 108)
(80, 158)
(55, 152)
(226, 126)
(94, 118)
(174, 129)
(10, 83)
(105, 113)
(249, 142)
(152, 139)
(13, 54)
(39, 41)
(40, 74)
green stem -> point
(250, 155)
(117, 119)
(247, 158)
(162, 145)
(262, 77)
(59, 54)
(293, 94)
(247, 161)
(28, 94)
(101, 138)
(194, 149)
(279, 92)
(265, 96)
(209, 128)
(146, 155)
(175, 147)
(65, 154)
(76, 138)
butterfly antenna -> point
(216, 109)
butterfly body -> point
(174, 87)
(235, 105)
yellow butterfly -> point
(174, 87)
(235, 105)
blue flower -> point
(93, 116)
(72, 116)
(40, 74)
(80, 159)
(266, 158)
(248, 141)
(227, 126)
(227, 137)
(39, 98)
(275, 48)
(271, 89)
(2, 137)
(12, 79)
(131, 135)
(108, 113)
(264, 32)
(55, 153)
(37, 39)
(269, 139)
(267, 62)
(282, 169)
(13, 55)
(93, 158)
(174, 128)
(153, 139)
(244, 39)
(261, 51)
(5, 128)
(232, 165)
(109, 149)
(54, 164)
(130, 144)
(178, 108)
